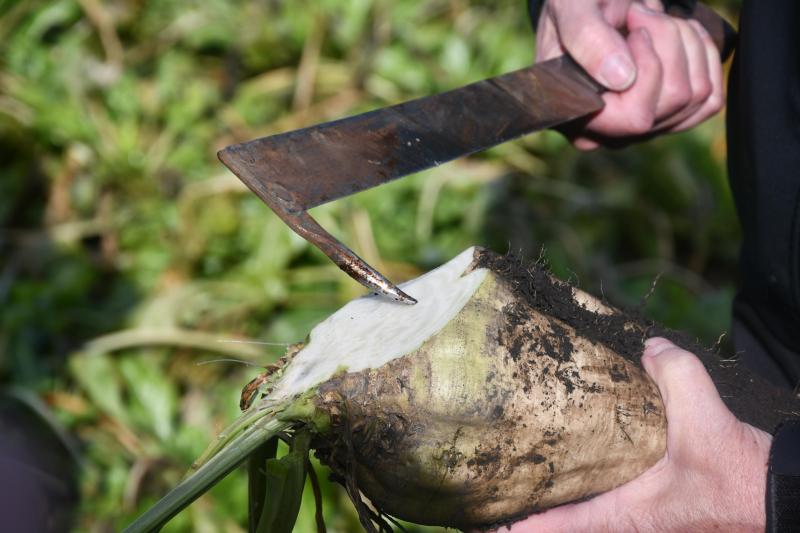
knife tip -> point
(399, 296)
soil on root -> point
(747, 395)
(340, 453)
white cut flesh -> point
(371, 331)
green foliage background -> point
(127, 252)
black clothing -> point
(764, 168)
(783, 479)
(763, 126)
(534, 10)
(38, 472)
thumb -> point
(595, 44)
(690, 398)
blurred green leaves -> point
(127, 252)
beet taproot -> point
(503, 392)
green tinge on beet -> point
(503, 392)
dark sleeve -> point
(783, 479)
(534, 10)
(763, 122)
(763, 162)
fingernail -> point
(617, 72)
(656, 346)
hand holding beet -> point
(712, 476)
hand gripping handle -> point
(722, 33)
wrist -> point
(745, 498)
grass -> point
(127, 252)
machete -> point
(295, 171)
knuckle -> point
(677, 95)
(703, 34)
(654, 69)
(665, 28)
(586, 42)
(703, 90)
(715, 102)
(671, 27)
(680, 364)
(641, 121)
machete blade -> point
(295, 171)
(301, 169)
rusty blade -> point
(314, 165)
(295, 171)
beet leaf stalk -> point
(236, 451)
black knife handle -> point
(722, 33)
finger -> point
(570, 518)
(656, 345)
(632, 112)
(666, 35)
(548, 45)
(654, 5)
(716, 100)
(585, 144)
(690, 398)
(699, 75)
(595, 44)
(616, 510)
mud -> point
(525, 400)
(747, 395)
(491, 419)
